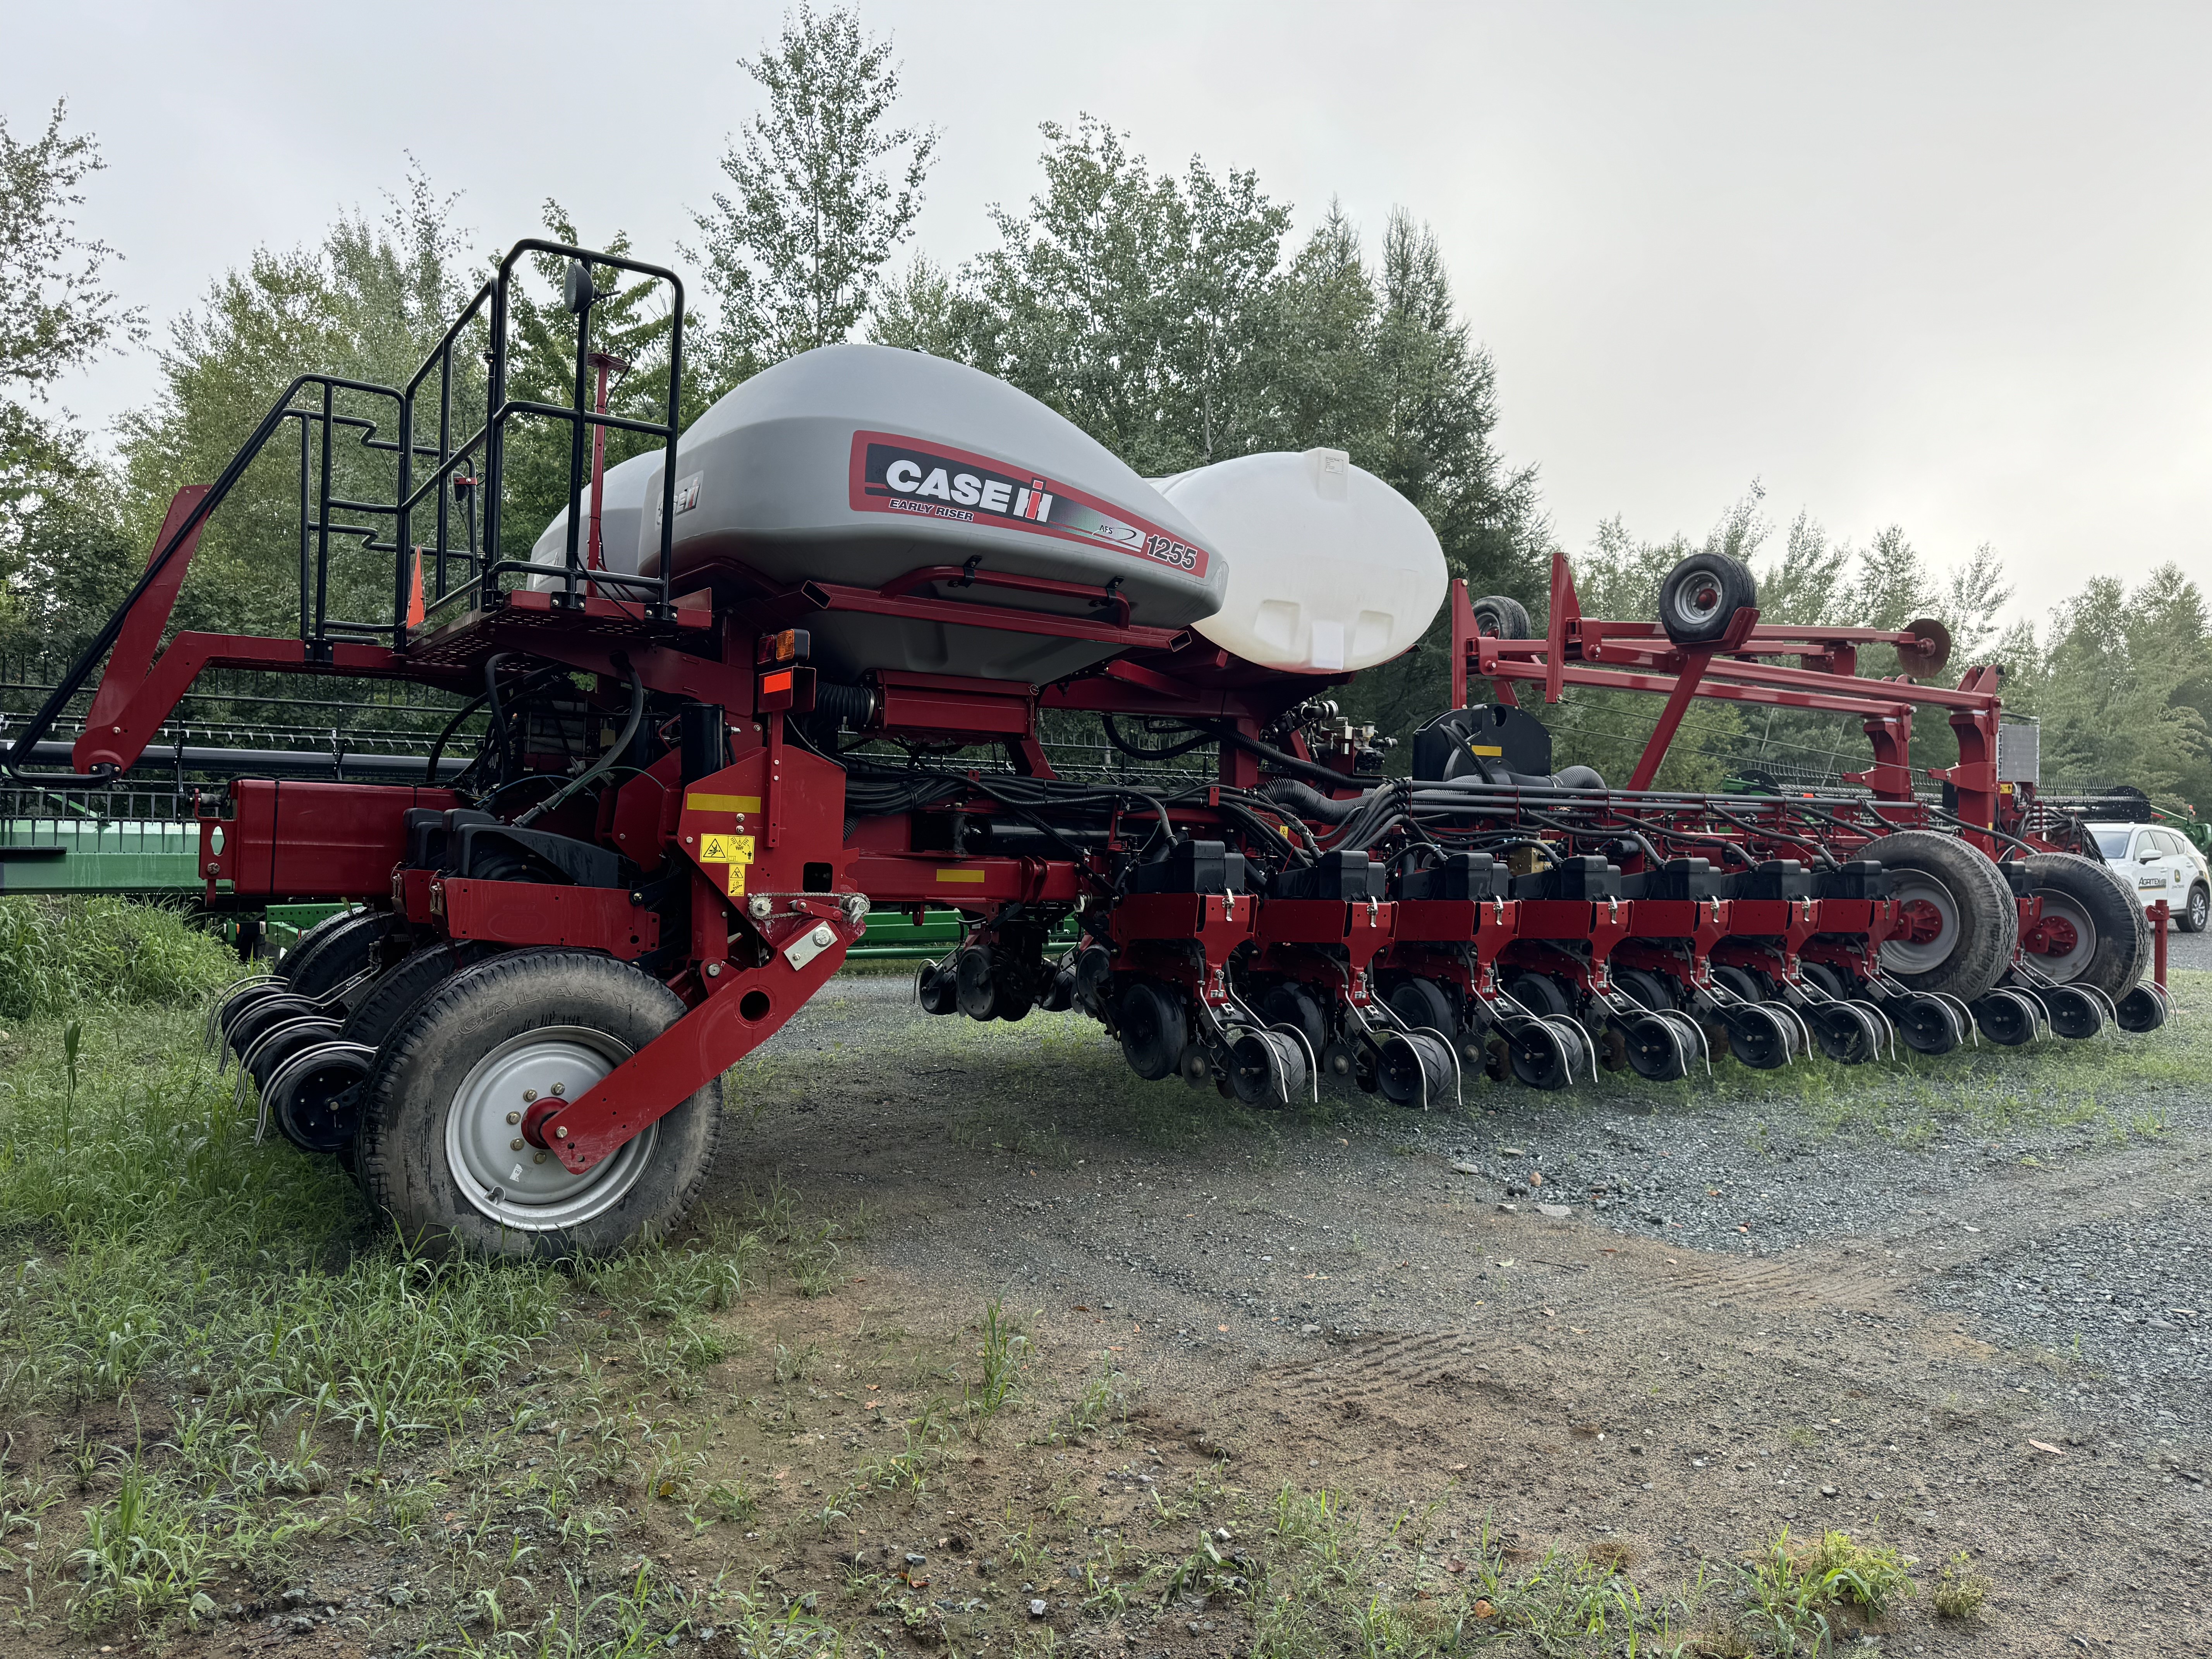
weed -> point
(1959, 1591)
(1000, 1361)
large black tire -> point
(1500, 617)
(332, 951)
(1963, 902)
(2111, 943)
(1701, 596)
(435, 1126)
(384, 1006)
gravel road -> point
(1817, 1297)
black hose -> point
(1137, 751)
(607, 762)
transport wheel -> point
(333, 951)
(1961, 923)
(1154, 1030)
(1499, 617)
(2196, 913)
(441, 1147)
(1701, 594)
(1422, 1004)
(2091, 932)
(1286, 1004)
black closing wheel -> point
(2074, 1013)
(2004, 1018)
(1845, 1036)
(937, 988)
(979, 992)
(1499, 617)
(1415, 1069)
(1541, 1057)
(1701, 596)
(1960, 922)
(1658, 1049)
(1154, 1029)
(1757, 1037)
(441, 1147)
(1927, 1025)
(2142, 1010)
(1267, 1069)
(315, 1095)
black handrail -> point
(316, 625)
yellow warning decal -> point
(725, 849)
(736, 880)
(1489, 749)
(699, 801)
(960, 875)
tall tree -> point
(824, 188)
(56, 314)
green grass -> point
(61, 954)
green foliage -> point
(821, 200)
(1960, 1590)
(2122, 682)
(60, 954)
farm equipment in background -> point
(793, 671)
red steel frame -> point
(758, 837)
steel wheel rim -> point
(2067, 966)
(2200, 907)
(1904, 956)
(523, 1189)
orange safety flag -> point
(415, 594)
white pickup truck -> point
(2160, 864)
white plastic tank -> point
(857, 466)
(621, 515)
(1330, 569)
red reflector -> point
(772, 684)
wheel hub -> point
(1930, 924)
(517, 1084)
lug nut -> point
(516, 1145)
(529, 1095)
(560, 1089)
(560, 1132)
(538, 1157)
(514, 1117)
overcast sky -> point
(1945, 266)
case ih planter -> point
(670, 836)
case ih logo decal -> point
(892, 474)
